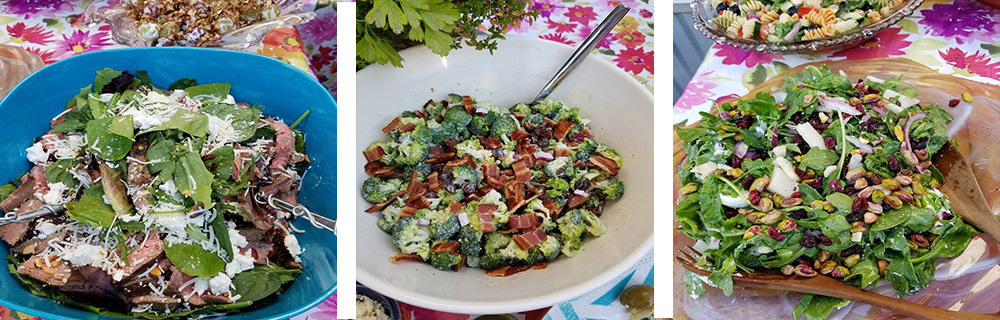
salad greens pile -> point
(463, 182)
(158, 186)
(820, 177)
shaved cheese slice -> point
(809, 134)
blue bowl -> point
(285, 91)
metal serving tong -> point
(296, 210)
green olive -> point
(637, 297)
(496, 317)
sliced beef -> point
(178, 279)
(23, 192)
(54, 273)
(254, 212)
(138, 172)
(281, 256)
(148, 252)
(35, 245)
(284, 144)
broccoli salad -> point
(158, 186)
(823, 176)
(463, 182)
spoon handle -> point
(585, 48)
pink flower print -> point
(582, 15)
(321, 29)
(418, 313)
(698, 91)
(36, 8)
(325, 310)
(886, 43)
(605, 43)
(635, 60)
(547, 7)
(749, 58)
(21, 33)
(557, 37)
(977, 63)
(561, 26)
(82, 41)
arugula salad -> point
(464, 182)
(159, 187)
(821, 177)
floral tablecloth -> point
(960, 37)
(52, 29)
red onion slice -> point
(423, 222)
(741, 149)
(581, 193)
(906, 129)
(795, 31)
(546, 156)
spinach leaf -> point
(6, 190)
(194, 260)
(222, 160)
(104, 143)
(691, 134)
(222, 234)
(723, 278)
(687, 214)
(193, 179)
(103, 78)
(122, 126)
(58, 172)
(261, 282)
(900, 273)
(808, 193)
(949, 245)
(762, 105)
(867, 271)
(891, 219)
(834, 225)
(840, 201)
(161, 160)
(183, 83)
(97, 108)
(693, 285)
(921, 218)
(91, 208)
(243, 120)
(190, 122)
(209, 92)
(818, 159)
(710, 202)
(816, 307)
(72, 121)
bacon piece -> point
(491, 172)
(505, 271)
(561, 130)
(440, 157)
(450, 144)
(455, 207)
(560, 152)
(456, 162)
(407, 127)
(540, 265)
(428, 103)
(419, 114)
(529, 239)
(419, 202)
(524, 221)
(449, 247)
(514, 193)
(392, 125)
(521, 171)
(376, 169)
(374, 154)
(470, 108)
(608, 165)
(415, 186)
(408, 211)
(577, 201)
(490, 143)
(579, 164)
(405, 257)
(433, 183)
(486, 221)
(488, 208)
(382, 206)
(553, 206)
(518, 135)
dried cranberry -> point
(798, 214)
(743, 123)
(797, 138)
(816, 183)
(893, 163)
(735, 161)
(812, 233)
(849, 190)
(796, 194)
(855, 217)
(856, 249)
(830, 142)
(803, 260)
(873, 90)
(954, 102)
(796, 117)
(801, 173)
(945, 215)
(870, 125)
(754, 197)
(824, 240)
(730, 212)
(808, 242)
(774, 234)
(834, 186)
(817, 124)
(747, 182)
(919, 143)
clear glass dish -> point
(703, 11)
(125, 31)
(16, 64)
(969, 282)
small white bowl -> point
(621, 111)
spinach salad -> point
(823, 176)
(463, 182)
(159, 187)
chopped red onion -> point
(463, 219)
(547, 156)
(741, 149)
(581, 193)
(423, 222)
(906, 129)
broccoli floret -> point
(454, 98)
(410, 237)
(609, 153)
(445, 260)
(391, 214)
(422, 169)
(385, 225)
(571, 225)
(500, 216)
(548, 108)
(569, 114)
(471, 240)
(552, 168)
(444, 230)
(550, 248)
(472, 213)
(475, 149)
(534, 119)
(412, 153)
(569, 247)
(457, 116)
(390, 151)
(466, 174)
(595, 226)
(496, 241)
(377, 190)
(611, 188)
(448, 198)
(434, 110)
(493, 260)
(408, 114)
(535, 255)
(433, 215)
(535, 207)
(514, 252)
(503, 127)
(557, 184)
(422, 134)
(444, 132)
(521, 108)
(478, 126)
(412, 119)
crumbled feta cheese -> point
(369, 309)
(70, 147)
(220, 284)
(129, 217)
(292, 244)
(36, 154)
(237, 239)
(241, 262)
(55, 194)
(229, 99)
(46, 229)
(84, 254)
(169, 187)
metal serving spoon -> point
(583, 50)
(296, 210)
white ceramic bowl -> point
(621, 111)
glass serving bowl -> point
(15, 65)
(963, 283)
(125, 31)
(703, 11)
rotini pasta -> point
(821, 17)
(724, 19)
(844, 26)
(769, 16)
(776, 20)
(817, 33)
(751, 6)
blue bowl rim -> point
(51, 316)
